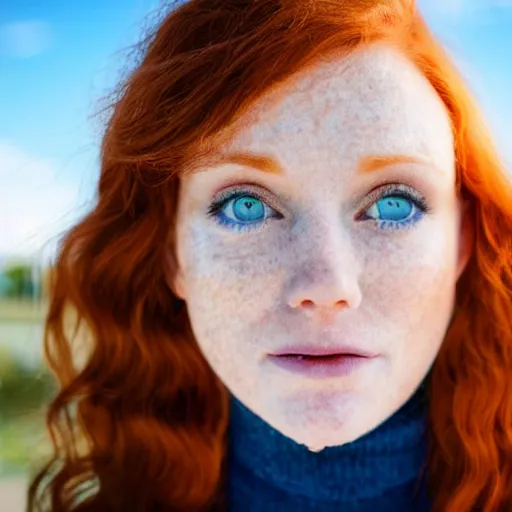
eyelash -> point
(398, 190)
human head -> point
(298, 257)
(148, 401)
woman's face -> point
(350, 243)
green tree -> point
(19, 281)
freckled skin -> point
(319, 274)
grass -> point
(25, 389)
(20, 431)
(20, 440)
(23, 441)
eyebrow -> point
(267, 164)
(260, 162)
(373, 163)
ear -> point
(466, 238)
(177, 286)
(174, 277)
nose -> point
(324, 291)
(325, 281)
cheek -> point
(231, 285)
(410, 281)
(230, 290)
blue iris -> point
(394, 208)
(248, 209)
(241, 211)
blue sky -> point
(59, 58)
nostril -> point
(309, 304)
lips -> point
(320, 363)
(328, 361)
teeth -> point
(300, 357)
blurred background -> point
(58, 61)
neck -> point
(391, 455)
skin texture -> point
(320, 271)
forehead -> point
(372, 102)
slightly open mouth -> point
(326, 358)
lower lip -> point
(321, 367)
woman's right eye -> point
(241, 211)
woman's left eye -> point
(397, 209)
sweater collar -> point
(391, 455)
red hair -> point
(140, 424)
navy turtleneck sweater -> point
(379, 472)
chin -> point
(332, 420)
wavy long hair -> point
(139, 423)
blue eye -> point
(396, 211)
(241, 211)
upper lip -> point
(319, 351)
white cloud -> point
(25, 39)
(35, 206)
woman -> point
(297, 278)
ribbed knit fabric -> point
(379, 472)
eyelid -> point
(389, 188)
(257, 190)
